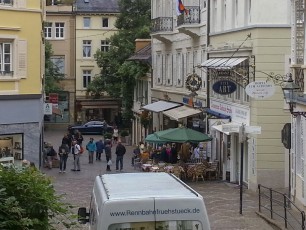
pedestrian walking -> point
(120, 151)
(76, 148)
(115, 135)
(63, 151)
(100, 147)
(108, 154)
(51, 154)
(91, 148)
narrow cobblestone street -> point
(221, 199)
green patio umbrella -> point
(152, 138)
(182, 134)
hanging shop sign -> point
(224, 87)
(260, 89)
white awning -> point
(181, 112)
(222, 63)
(219, 128)
(160, 106)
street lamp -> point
(290, 90)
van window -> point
(160, 225)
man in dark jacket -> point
(108, 153)
(120, 151)
(100, 148)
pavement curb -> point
(270, 221)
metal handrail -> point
(287, 205)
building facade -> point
(235, 43)
(95, 23)
(59, 30)
(247, 41)
(296, 152)
(21, 74)
(141, 123)
(179, 41)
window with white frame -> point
(59, 63)
(6, 2)
(5, 58)
(179, 69)
(86, 22)
(168, 69)
(59, 29)
(105, 46)
(86, 48)
(86, 78)
(48, 30)
(105, 23)
(158, 68)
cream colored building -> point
(59, 30)
(297, 152)
(252, 41)
(178, 45)
(21, 77)
(240, 41)
(95, 23)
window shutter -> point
(21, 3)
(22, 59)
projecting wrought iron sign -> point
(224, 87)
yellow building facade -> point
(21, 79)
(95, 24)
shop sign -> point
(197, 103)
(231, 128)
(223, 73)
(253, 129)
(260, 89)
(224, 87)
(47, 108)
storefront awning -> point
(217, 114)
(222, 63)
(160, 106)
(181, 112)
(219, 128)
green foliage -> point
(124, 133)
(28, 201)
(52, 73)
(108, 136)
(118, 75)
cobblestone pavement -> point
(221, 199)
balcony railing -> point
(162, 24)
(6, 73)
(6, 2)
(190, 16)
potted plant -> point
(123, 135)
(108, 136)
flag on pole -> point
(180, 7)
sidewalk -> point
(221, 199)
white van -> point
(144, 201)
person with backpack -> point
(63, 151)
(120, 151)
(91, 148)
(51, 153)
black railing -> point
(190, 16)
(6, 73)
(280, 207)
(162, 24)
(6, 2)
